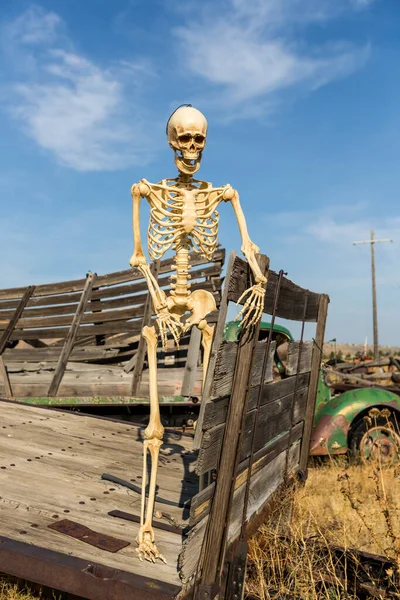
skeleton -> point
(184, 217)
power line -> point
(373, 241)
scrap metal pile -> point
(384, 373)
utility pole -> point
(373, 241)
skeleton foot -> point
(147, 549)
(254, 305)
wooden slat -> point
(291, 300)
(98, 317)
(224, 369)
(200, 503)
(274, 419)
(218, 334)
(10, 327)
(112, 279)
(267, 475)
(192, 360)
(279, 389)
(69, 342)
(148, 311)
(116, 298)
(260, 350)
(315, 367)
(296, 350)
(5, 378)
(132, 327)
(216, 410)
(263, 484)
(213, 547)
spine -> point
(181, 286)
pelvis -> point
(200, 303)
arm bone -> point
(138, 258)
(249, 249)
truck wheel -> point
(375, 439)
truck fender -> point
(333, 423)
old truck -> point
(361, 422)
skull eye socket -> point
(199, 139)
(185, 138)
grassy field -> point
(351, 507)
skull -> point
(187, 131)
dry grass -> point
(351, 507)
(9, 590)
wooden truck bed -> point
(252, 439)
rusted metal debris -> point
(84, 534)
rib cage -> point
(177, 212)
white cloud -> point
(251, 51)
(70, 106)
(34, 26)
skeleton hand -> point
(167, 321)
(147, 549)
(254, 305)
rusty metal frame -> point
(78, 576)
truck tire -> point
(375, 439)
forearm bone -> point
(249, 249)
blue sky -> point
(302, 100)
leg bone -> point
(153, 440)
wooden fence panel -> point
(108, 333)
(276, 418)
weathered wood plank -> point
(147, 314)
(5, 378)
(224, 369)
(262, 486)
(216, 410)
(260, 350)
(315, 367)
(11, 324)
(200, 503)
(98, 317)
(191, 549)
(213, 548)
(218, 334)
(61, 289)
(114, 296)
(67, 453)
(132, 327)
(268, 474)
(291, 300)
(192, 361)
(69, 342)
(296, 350)
(274, 418)
(279, 389)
